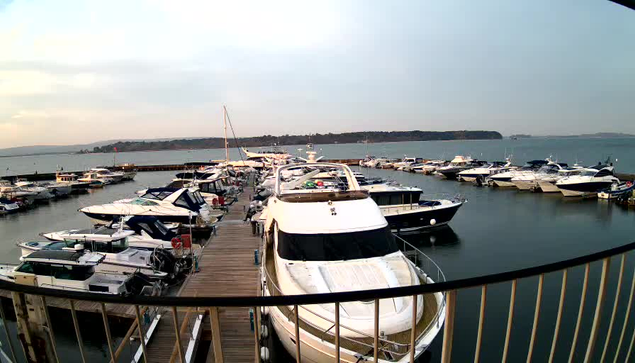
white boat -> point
(42, 194)
(107, 234)
(331, 237)
(276, 153)
(120, 258)
(529, 180)
(169, 205)
(70, 179)
(589, 182)
(496, 167)
(110, 177)
(504, 179)
(405, 163)
(458, 164)
(547, 182)
(75, 270)
(94, 181)
(7, 206)
(10, 191)
(429, 167)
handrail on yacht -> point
(341, 325)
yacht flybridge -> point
(330, 236)
(166, 204)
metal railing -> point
(601, 342)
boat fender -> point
(433, 222)
(264, 331)
(264, 354)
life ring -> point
(177, 242)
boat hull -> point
(420, 218)
(583, 189)
(101, 218)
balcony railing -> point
(601, 337)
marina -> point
(227, 333)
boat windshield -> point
(145, 202)
(336, 246)
(589, 173)
(64, 272)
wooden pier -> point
(226, 268)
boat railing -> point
(277, 292)
(427, 267)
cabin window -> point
(77, 273)
(108, 247)
(26, 267)
(184, 201)
(336, 246)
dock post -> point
(32, 328)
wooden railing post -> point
(216, 338)
(448, 331)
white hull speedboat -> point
(588, 183)
(8, 207)
(75, 270)
(169, 205)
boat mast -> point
(225, 129)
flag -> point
(115, 149)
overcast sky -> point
(83, 71)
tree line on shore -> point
(268, 140)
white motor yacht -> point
(529, 180)
(110, 177)
(169, 205)
(589, 182)
(324, 237)
(504, 179)
(120, 258)
(547, 182)
(429, 167)
(458, 164)
(70, 179)
(42, 194)
(74, 270)
(94, 180)
(470, 175)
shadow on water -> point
(440, 236)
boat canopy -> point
(152, 226)
(159, 193)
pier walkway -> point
(226, 268)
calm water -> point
(584, 151)
(497, 230)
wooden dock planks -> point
(227, 268)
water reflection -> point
(440, 236)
